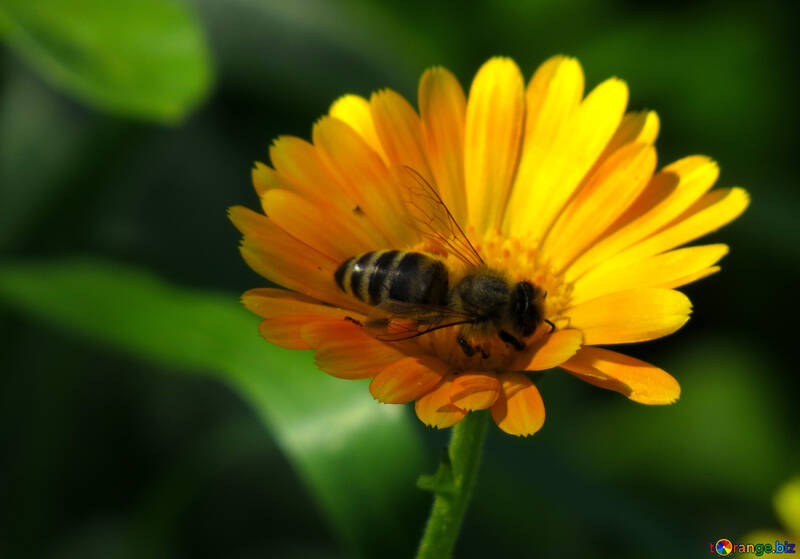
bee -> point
(414, 293)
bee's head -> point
(526, 308)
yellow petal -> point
(704, 273)
(670, 269)
(608, 193)
(435, 408)
(636, 127)
(670, 192)
(551, 98)
(548, 177)
(365, 179)
(474, 391)
(407, 379)
(711, 212)
(673, 190)
(399, 130)
(355, 111)
(639, 381)
(630, 316)
(551, 351)
(343, 350)
(495, 115)
(333, 232)
(443, 109)
(519, 409)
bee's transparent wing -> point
(429, 215)
(394, 321)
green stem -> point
(452, 486)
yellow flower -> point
(550, 186)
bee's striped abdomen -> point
(411, 277)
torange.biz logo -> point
(727, 547)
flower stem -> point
(452, 486)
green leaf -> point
(359, 458)
(145, 58)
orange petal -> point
(338, 234)
(474, 391)
(670, 269)
(287, 313)
(630, 316)
(435, 408)
(519, 409)
(264, 177)
(548, 177)
(639, 381)
(355, 111)
(399, 130)
(407, 379)
(300, 168)
(443, 108)
(281, 258)
(607, 193)
(365, 178)
(343, 350)
(550, 351)
(495, 116)
(286, 331)
(670, 192)
(272, 303)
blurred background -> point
(142, 416)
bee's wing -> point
(394, 321)
(429, 215)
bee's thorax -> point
(484, 295)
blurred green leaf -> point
(352, 452)
(44, 144)
(722, 434)
(146, 58)
(787, 505)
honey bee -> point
(414, 293)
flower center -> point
(518, 261)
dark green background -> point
(119, 280)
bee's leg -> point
(552, 326)
(353, 320)
(511, 340)
(468, 350)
